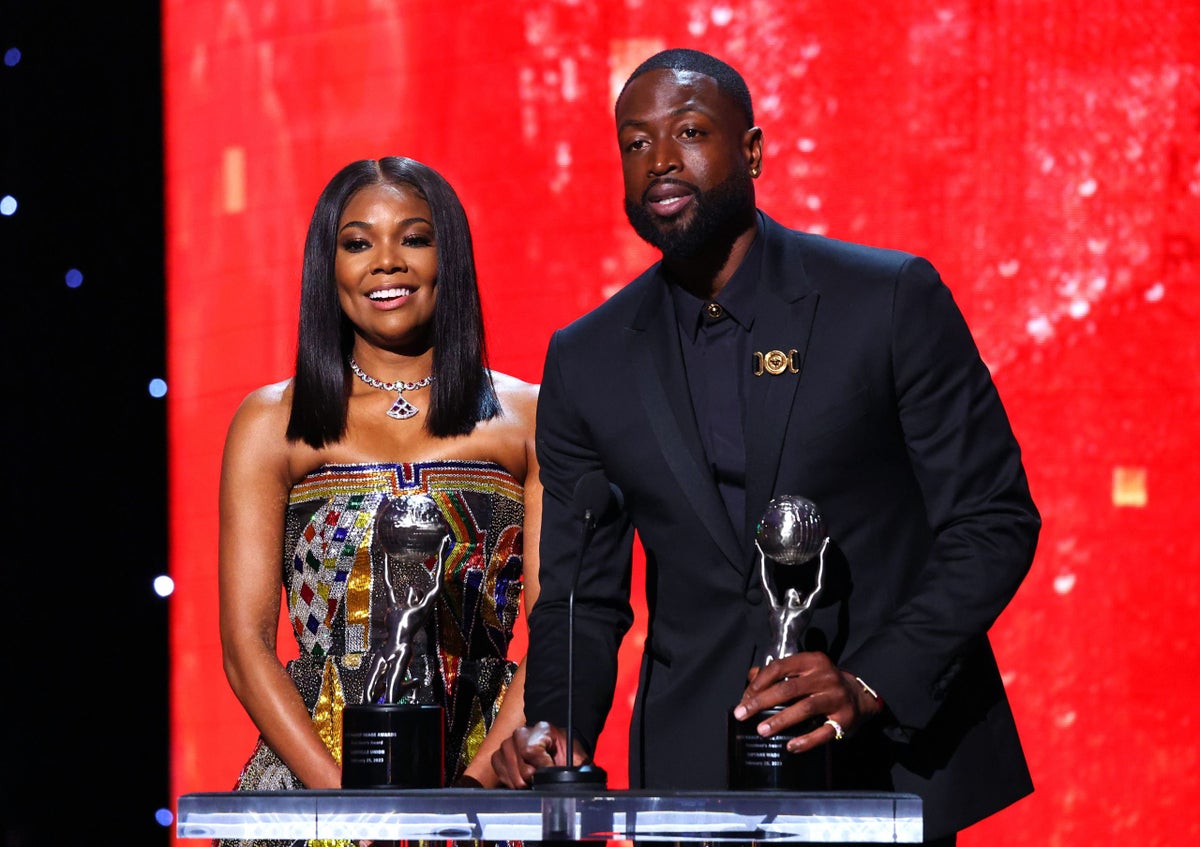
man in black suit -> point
(755, 361)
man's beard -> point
(712, 211)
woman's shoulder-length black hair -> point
(462, 391)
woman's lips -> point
(389, 298)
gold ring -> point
(838, 735)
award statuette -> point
(387, 743)
(790, 535)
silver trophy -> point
(790, 534)
(408, 530)
(386, 743)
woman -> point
(391, 396)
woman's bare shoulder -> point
(266, 407)
(274, 396)
(518, 399)
(510, 387)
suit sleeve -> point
(967, 464)
(603, 614)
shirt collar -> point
(736, 298)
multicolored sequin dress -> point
(337, 598)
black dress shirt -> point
(714, 337)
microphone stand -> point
(565, 778)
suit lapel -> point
(784, 312)
(653, 346)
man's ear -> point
(753, 146)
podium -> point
(465, 814)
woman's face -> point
(386, 266)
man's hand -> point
(810, 685)
(527, 749)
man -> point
(752, 362)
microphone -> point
(594, 496)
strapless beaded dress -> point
(337, 597)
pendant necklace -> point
(401, 409)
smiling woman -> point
(386, 270)
(389, 296)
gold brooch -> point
(775, 362)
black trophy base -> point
(559, 778)
(764, 764)
(396, 745)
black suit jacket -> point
(892, 426)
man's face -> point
(686, 155)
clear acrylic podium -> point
(562, 815)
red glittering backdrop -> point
(1045, 156)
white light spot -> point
(1154, 293)
(1039, 327)
(1079, 308)
(813, 202)
(1064, 583)
(722, 15)
(570, 80)
(1087, 188)
(164, 586)
(158, 387)
(8, 205)
(1064, 720)
(1097, 246)
(806, 145)
(1008, 268)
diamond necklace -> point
(401, 409)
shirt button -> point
(714, 310)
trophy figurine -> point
(387, 743)
(790, 535)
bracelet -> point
(868, 689)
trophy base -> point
(393, 745)
(764, 764)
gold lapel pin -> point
(775, 362)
